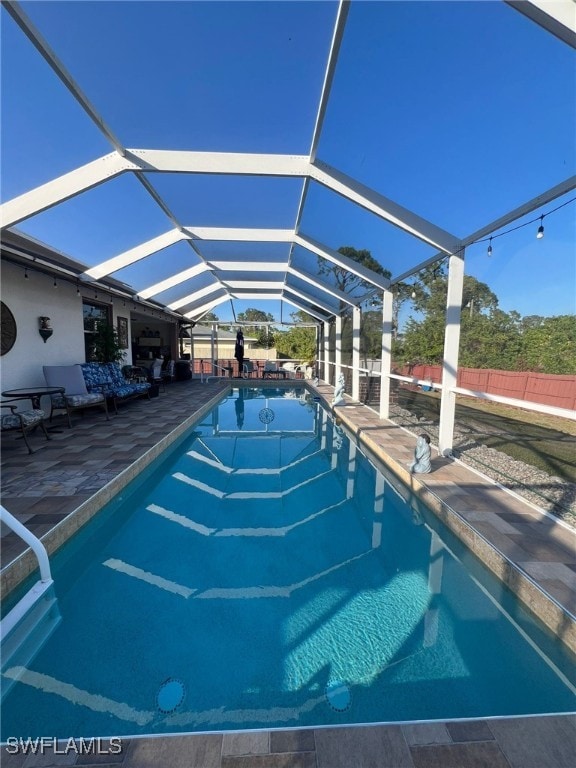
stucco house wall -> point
(29, 299)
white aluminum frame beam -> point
(264, 295)
(342, 261)
(265, 285)
(312, 300)
(147, 160)
(248, 266)
(177, 279)
(63, 188)
(206, 307)
(192, 297)
(241, 234)
(557, 17)
(303, 308)
(531, 205)
(15, 10)
(173, 236)
(337, 37)
(229, 163)
(383, 207)
(323, 286)
(131, 256)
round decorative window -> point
(8, 324)
(266, 415)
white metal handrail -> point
(33, 542)
(33, 618)
(204, 377)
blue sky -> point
(459, 111)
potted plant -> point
(105, 345)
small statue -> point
(339, 391)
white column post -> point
(356, 320)
(337, 348)
(451, 349)
(192, 353)
(212, 334)
(317, 337)
(326, 352)
(386, 356)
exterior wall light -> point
(45, 330)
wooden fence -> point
(543, 388)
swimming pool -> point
(265, 574)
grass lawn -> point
(546, 442)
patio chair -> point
(248, 369)
(271, 371)
(75, 396)
(168, 373)
(155, 375)
(269, 367)
(22, 421)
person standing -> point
(239, 352)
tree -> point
(347, 281)
(490, 341)
(252, 315)
(371, 335)
(265, 338)
(548, 344)
(352, 284)
(299, 343)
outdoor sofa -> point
(108, 379)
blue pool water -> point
(265, 574)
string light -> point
(77, 290)
(413, 294)
(55, 283)
(26, 273)
(539, 233)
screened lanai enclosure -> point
(220, 156)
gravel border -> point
(553, 494)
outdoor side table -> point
(32, 393)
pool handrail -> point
(33, 542)
(204, 377)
